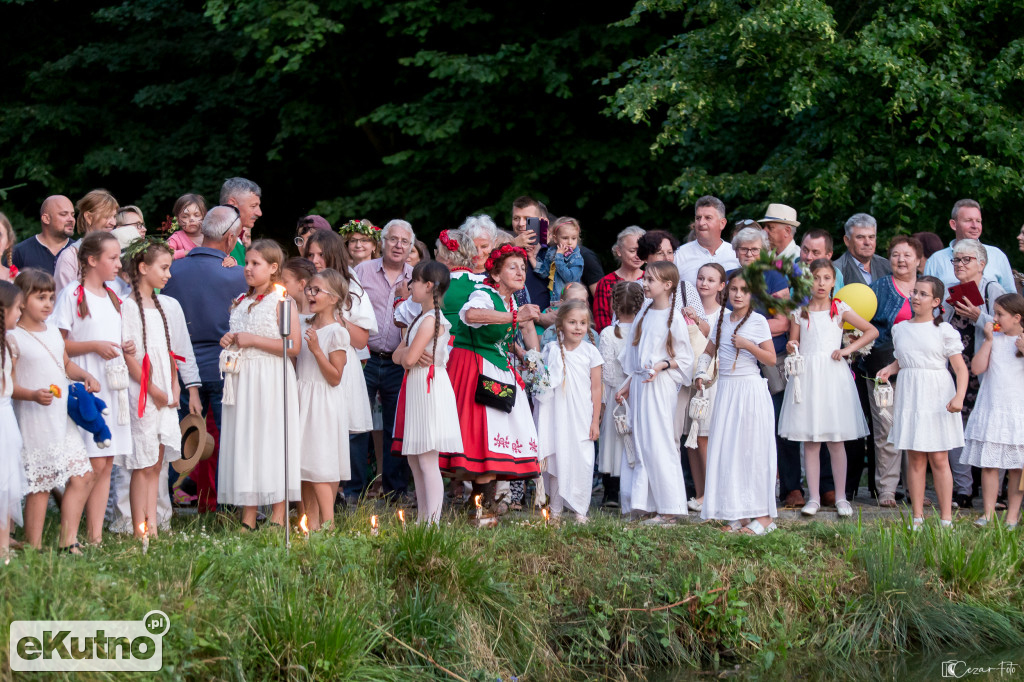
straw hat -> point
(780, 213)
(196, 444)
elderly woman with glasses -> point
(969, 260)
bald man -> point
(57, 223)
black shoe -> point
(964, 501)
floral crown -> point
(449, 242)
(170, 225)
(141, 245)
(501, 253)
(800, 282)
(363, 226)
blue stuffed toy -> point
(87, 411)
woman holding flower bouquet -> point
(498, 434)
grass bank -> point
(603, 601)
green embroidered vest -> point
(490, 341)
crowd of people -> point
(700, 376)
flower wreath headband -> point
(501, 253)
(449, 242)
(364, 227)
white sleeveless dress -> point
(829, 409)
(431, 417)
(354, 395)
(995, 431)
(612, 445)
(251, 469)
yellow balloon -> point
(861, 299)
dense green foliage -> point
(603, 601)
(430, 110)
(897, 109)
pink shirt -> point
(181, 243)
(905, 312)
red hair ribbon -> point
(79, 297)
(430, 376)
(834, 310)
(449, 243)
(147, 370)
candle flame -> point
(303, 526)
(373, 522)
(401, 516)
(544, 511)
(476, 500)
(142, 528)
(282, 293)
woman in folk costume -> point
(498, 434)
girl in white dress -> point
(926, 420)
(995, 432)
(627, 299)
(53, 453)
(711, 287)
(155, 326)
(322, 415)
(568, 414)
(829, 410)
(12, 474)
(740, 483)
(658, 361)
(88, 313)
(428, 422)
(251, 470)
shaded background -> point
(434, 111)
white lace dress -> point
(156, 426)
(609, 460)
(251, 469)
(53, 450)
(995, 432)
(12, 473)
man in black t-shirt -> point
(57, 222)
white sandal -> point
(844, 508)
(755, 528)
(733, 526)
(694, 504)
(811, 508)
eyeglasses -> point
(299, 240)
(962, 260)
(138, 226)
(749, 250)
(746, 222)
(396, 240)
(315, 291)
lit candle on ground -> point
(303, 525)
(374, 530)
(401, 517)
(145, 537)
(479, 507)
(546, 515)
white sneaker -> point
(694, 505)
(811, 508)
(844, 508)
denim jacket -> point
(567, 269)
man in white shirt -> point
(708, 247)
(780, 223)
(966, 224)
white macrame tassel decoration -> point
(700, 408)
(117, 380)
(794, 366)
(620, 415)
(883, 395)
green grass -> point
(535, 602)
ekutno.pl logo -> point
(89, 645)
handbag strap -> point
(60, 365)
